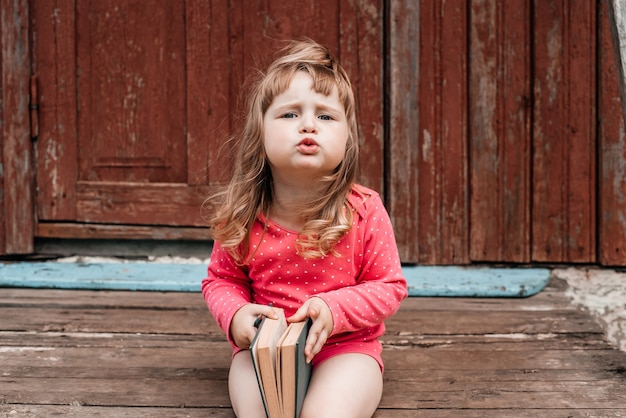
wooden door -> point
(115, 143)
(137, 99)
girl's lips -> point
(308, 146)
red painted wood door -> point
(136, 102)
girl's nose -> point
(307, 124)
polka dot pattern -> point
(363, 286)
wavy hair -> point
(328, 217)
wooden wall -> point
(517, 155)
(492, 128)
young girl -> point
(292, 230)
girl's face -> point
(305, 132)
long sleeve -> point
(380, 286)
(226, 288)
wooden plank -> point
(80, 411)
(16, 169)
(54, 63)
(157, 276)
(500, 136)
(118, 320)
(506, 322)
(114, 356)
(528, 412)
(617, 25)
(140, 203)
(206, 28)
(442, 167)
(564, 161)
(612, 151)
(210, 391)
(128, 232)
(197, 322)
(459, 359)
(102, 392)
(99, 298)
(402, 193)
(469, 376)
(474, 282)
(146, 276)
(361, 53)
(510, 342)
(544, 395)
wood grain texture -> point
(139, 204)
(106, 232)
(611, 153)
(615, 11)
(402, 193)
(105, 353)
(54, 33)
(131, 91)
(209, 153)
(16, 153)
(361, 52)
(442, 165)
(500, 135)
(564, 129)
(137, 99)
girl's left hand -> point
(316, 309)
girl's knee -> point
(243, 388)
(348, 385)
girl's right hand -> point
(242, 329)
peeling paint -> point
(553, 75)
(603, 293)
(427, 146)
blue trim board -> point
(475, 281)
(433, 281)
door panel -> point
(131, 91)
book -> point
(283, 375)
(295, 373)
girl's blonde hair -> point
(249, 193)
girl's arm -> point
(226, 289)
(381, 286)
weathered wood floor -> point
(126, 354)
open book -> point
(278, 356)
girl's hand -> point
(316, 309)
(242, 329)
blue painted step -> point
(422, 280)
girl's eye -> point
(325, 117)
(289, 115)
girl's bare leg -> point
(243, 387)
(344, 386)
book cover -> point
(263, 351)
(283, 375)
(295, 372)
